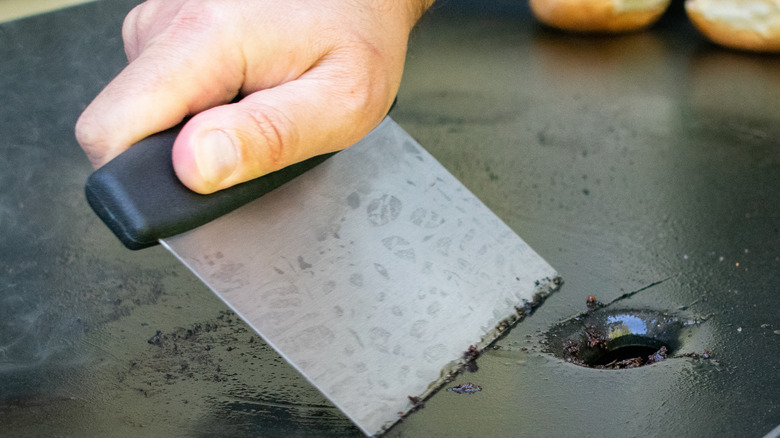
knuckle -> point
(273, 137)
(195, 17)
(370, 78)
(85, 132)
(173, 22)
(367, 95)
(141, 20)
(130, 24)
(131, 31)
(91, 137)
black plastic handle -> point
(139, 197)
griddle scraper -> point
(371, 271)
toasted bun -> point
(740, 24)
(606, 16)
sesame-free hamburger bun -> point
(598, 16)
(739, 24)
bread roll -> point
(740, 24)
(598, 16)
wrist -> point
(405, 13)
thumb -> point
(273, 128)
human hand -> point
(314, 76)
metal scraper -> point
(372, 272)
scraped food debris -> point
(417, 404)
(472, 353)
(658, 355)
(636, 362)
(694, 355)
(595, 339)
(470, 358)
(622, 364)
(571, 348)
(592, 303)
(466, 388)
(467, 362)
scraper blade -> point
(372, 273)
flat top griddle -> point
(644, 167)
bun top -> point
(761, 16)
(608, 16)
(638, 5)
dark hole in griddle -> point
(621, 354)
(617, 339)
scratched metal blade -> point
(369, 274)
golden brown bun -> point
(607, 16)
(741, 24)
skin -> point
(311, 76)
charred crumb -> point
(693, 355)
(592, 303)
(595, 339)
(163, 340)
(465, 388)
(186, 353)
(636, 362)
(658, 356)
(572, 348)
(524, 311)
(470, 357)
(528, 308)
(417, 404)
(472, 353)
(156, 339)
(468, 361)
(502, 327)
(622, 364)
(450, 376)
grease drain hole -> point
(616, 339)
(624, 354)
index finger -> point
(156, 91)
